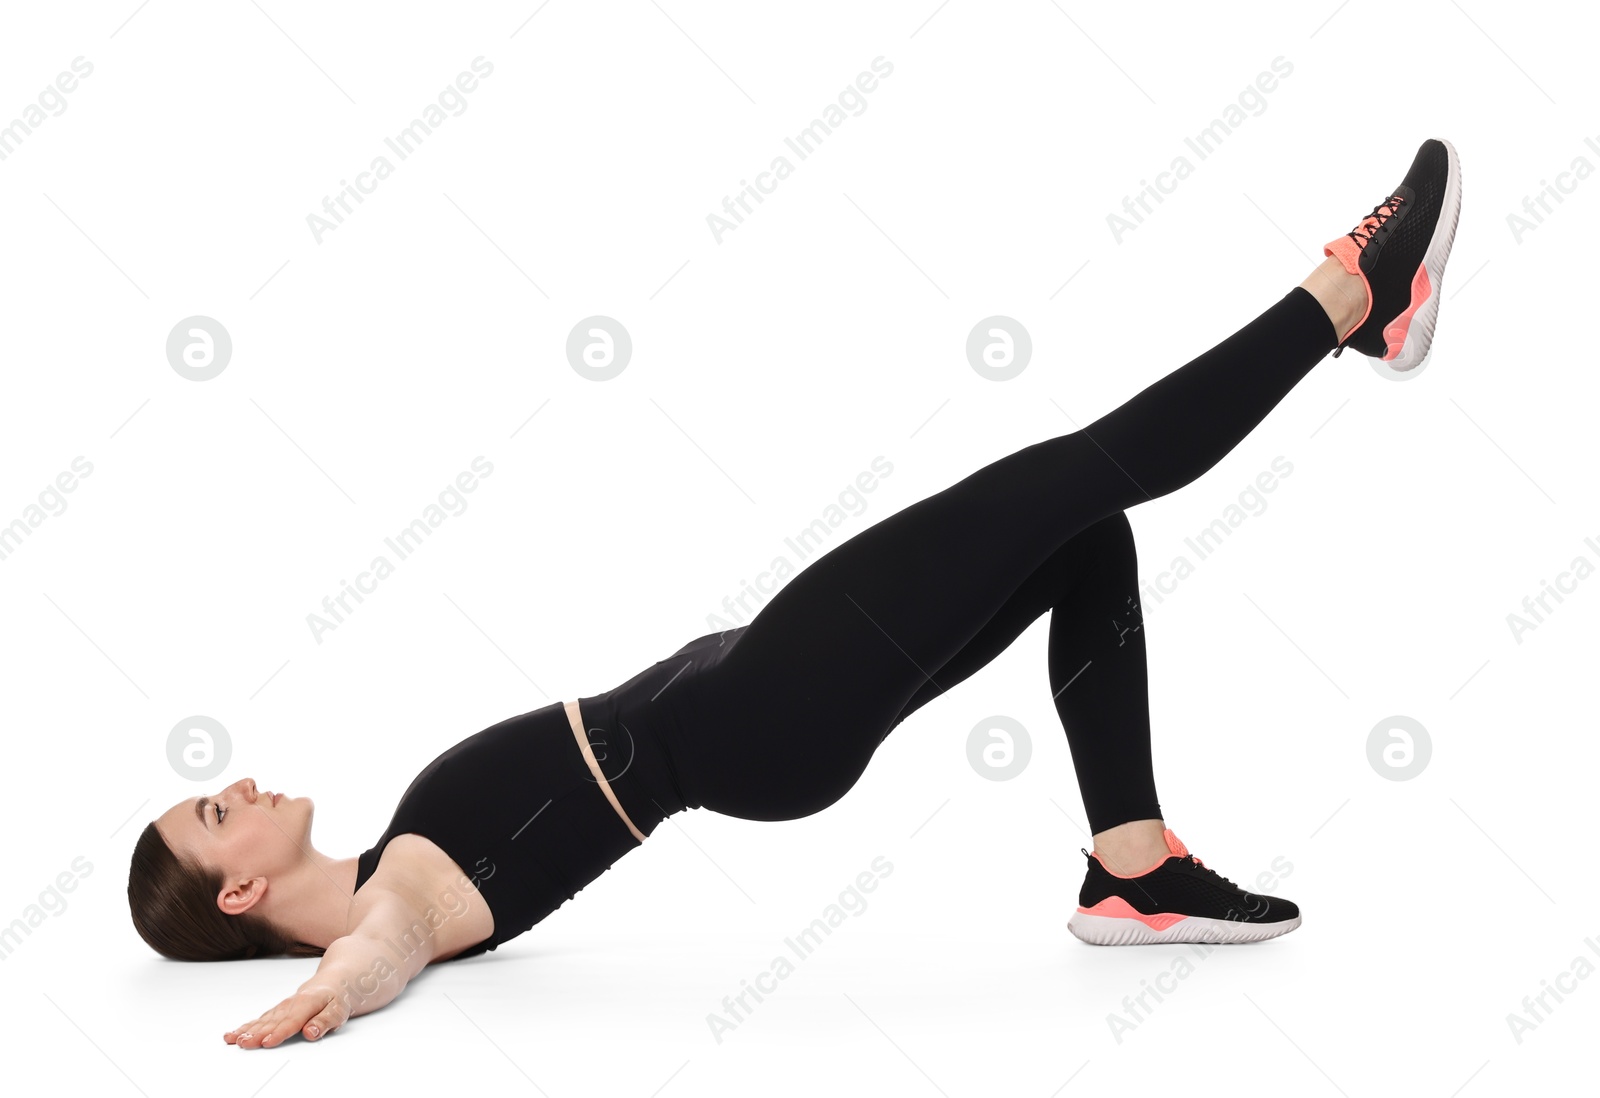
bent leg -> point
(791, 716)
(1099, 678)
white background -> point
(768, 371)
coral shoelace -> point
(1382, 212)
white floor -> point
(371, 362)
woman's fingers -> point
(245, 1035)
(249, 1036)
(279, 1031)
(303, 1010)
(330, 1018)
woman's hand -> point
(315, 1009)
(358, 974)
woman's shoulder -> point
(418, 897)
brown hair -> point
(174, 905)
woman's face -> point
(247, 833)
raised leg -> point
(790, 717)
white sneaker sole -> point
(1419, 336)
(1111, 930)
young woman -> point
(777, 719)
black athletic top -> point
(516, 807)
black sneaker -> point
(1179, 900)
(1399, 250)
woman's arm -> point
(358, 973)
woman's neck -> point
(313, 904)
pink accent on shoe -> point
(1174, 844)
(1115, 907)
(1348, 253)
(1095, 854)
(1395, 333)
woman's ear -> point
(241, 896)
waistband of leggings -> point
(629, 763)
(575, 717)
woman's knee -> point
(1098, 554)
(1111, 538)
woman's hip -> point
(769, 750)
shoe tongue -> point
(1175, 844)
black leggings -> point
(785, 723)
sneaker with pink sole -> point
(1179, 899)
(1399, 250)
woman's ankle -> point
(1132, 848)
(1342, 295)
